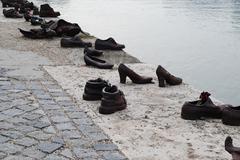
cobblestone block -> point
(85, 153)
(60, 119)
(39, 135)
(67, 153)
(33, 153)
(41, 125)
(31, 116)
(77, 115)
(10, 148)
(71, 134)
(26, 142)
(27, 108)
(55, 157)
(65, 126)
(12, 112)
(3, 139)
(2, 155)
(58, 140)
(49, 147)
(11, 134)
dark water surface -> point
(198, 40)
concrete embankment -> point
(151, 127)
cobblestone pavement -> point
(38, 120)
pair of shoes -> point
(112, 99)
(75, 41)
(234, 151)
(38, 33)
(205, 108)
(47, 11)
(162, 74)
(108, 44)
(11, 13)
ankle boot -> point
(92, 52)
(47, 11)
(113, 100)
(125, 72)
(234, 151)
(93, 89)
(163, 75)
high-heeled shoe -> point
(125, 72)
(234, 151)
(163, 75)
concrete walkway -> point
(39, 120)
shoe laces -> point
(204, 96)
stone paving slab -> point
(38, 120)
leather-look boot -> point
(125, 72)
(96, 62)
(93, 89)
(47, 11)
(108, 44)
(74, 42)
(92, 52)
(113, 100)
(203, 108)
(163, 75)
(234, 151)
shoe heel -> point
(122, 78)
(161, 82)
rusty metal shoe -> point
(108, 44)
(231, 115)
(113, 100)
(203, 108)
(11, 13)
(96, 62)
(74, 42)
(125, 72)
(47, 11)
(164, 76)
(38, 33)
(93, 89)
(92, 52)
(234, 151)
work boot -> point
(163, 75)
(47, 11)
(93, 89)
(203, 108)
(11, 13)
(96, 62)
(113, 100)
(125, 72)
(92, 52)
(108, 44)
(74, 42)
(234, 151)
